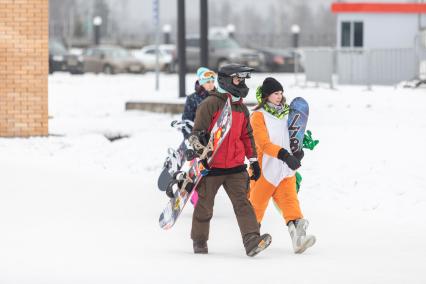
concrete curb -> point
(173, 108)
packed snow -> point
(77, 208)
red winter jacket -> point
(239, 142)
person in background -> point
(203, 85)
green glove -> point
(308, 141)
(298, 181)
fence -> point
(319, 65)
(364, 67)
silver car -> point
(222, 51)
(111, 60)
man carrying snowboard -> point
(278, 180)
(227, 168)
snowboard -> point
(297, 120)
(175, 158)
(194, 170)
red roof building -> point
(379, 25)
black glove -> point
(255, 168)
(291, 161)
(299, 154)
(197, 142)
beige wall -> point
(23, 68)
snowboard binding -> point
(185, 126)
(180, 181)
(172, 162)
(190, 154)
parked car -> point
(62, 60)
(222, 51)
(167, 57)
(281, 60)
(111, 59)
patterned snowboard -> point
(297, 120)
(194, 169)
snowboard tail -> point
(173, 163)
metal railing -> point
(364, 66)
(319, 65)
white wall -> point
(384, 30)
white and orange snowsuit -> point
(277, 180)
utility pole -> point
(181, 47)
(295, 31)
(156, 12)
(204, 31)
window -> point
(352, 34)
(358, 34)
(224, 43)
(346, 34)
(88, 52)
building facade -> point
(379, 25)
(23, 68)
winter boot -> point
(254, 243)
(200, 247)
(300, 240)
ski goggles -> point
(239, 79)
(241, 75)
(208, 75)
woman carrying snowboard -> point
(278, 164)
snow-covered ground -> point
(77, 208)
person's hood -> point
(200, 89)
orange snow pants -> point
(284, 195)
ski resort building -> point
(379, 25)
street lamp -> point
(167, 29)
(231, 30)
(97, 22)
(295, 31)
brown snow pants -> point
(236, 186)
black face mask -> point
(241, 90)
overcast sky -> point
(141, 10)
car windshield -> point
(167, 51)
(117, 53)
(57, 48)
(224, 43)
(162, 51)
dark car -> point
(61, 60)
(222, 51)
(281, 60)
(111, 59)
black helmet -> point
(227, 72)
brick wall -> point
(23, 68)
